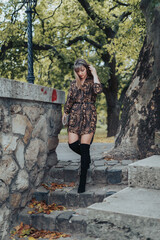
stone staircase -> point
(105, 211)
(134, 212)
(104, 179)
(100, 172)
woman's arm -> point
(68, 105)
(97, 87)
(94, 73)
(69, 101)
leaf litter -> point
(23, 230)
(53, 186)
(42, 207)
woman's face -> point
(82, 72)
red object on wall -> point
(54, 95)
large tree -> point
(106, 30)
(107, 33)
(141, 112)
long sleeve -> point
(97, 88)
(69, 101)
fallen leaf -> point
(19, 227)
(42, 207)
(72, 184)
(54, 186)
(23, 230)
(108, 158)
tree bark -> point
(141, 107)
(113, 110)
(111, 95)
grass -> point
(100, 136)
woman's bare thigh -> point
(72, 137)
(86, 138)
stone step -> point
(72, 237)
(100, 172)
(145, 173)
(70, 221)
(69, 197)
(132, 213)
(67, 221)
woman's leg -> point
(85, 160)
(87, 138)
(73, 142)
(72, 137)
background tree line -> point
(107, 33)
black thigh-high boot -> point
(75, 146)
(85, 160)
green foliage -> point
(57, 24)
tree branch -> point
(99, 21)
(121, 3)
(84, 38)
(118, 4)
(20, 44)
(124, 15)
(54, 11)
(43, 19)
(14, 14)
(111, 9)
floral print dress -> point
(80, 106)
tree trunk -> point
(113, 110)
(111, 94)
(141, 107)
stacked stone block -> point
(29, 128)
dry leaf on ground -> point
(42, 207)
(23, 230)
(54, 186)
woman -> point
(80, 106)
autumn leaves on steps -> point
(69, 215)
(42, 216)
(23, 230)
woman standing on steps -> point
(80, 106)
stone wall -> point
(30, 121)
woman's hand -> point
(93, 70)
(64, 119)
(94, 73)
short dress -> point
(80, 106)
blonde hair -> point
(78, 81)
(77, 66)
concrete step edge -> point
(133, 213)
(145, 173)
(97, 175)
(67, 221)
(69, 197)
